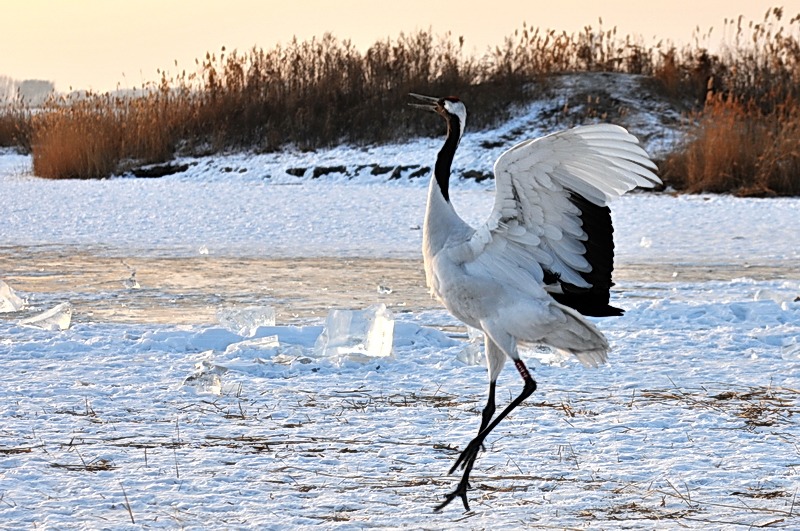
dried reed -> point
(324, 92)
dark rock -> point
(380, 170)
(159, 170)
(422, 172)
(296, 172)
(477, 175)
(319, 171)
(398, 171)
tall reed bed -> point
(746, 138)
(15, 126)
(96, 135)
(323, 92)
(308, 94)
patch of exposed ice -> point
(57, 318)
(9, 300)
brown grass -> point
(737, 148)
(15, 127)
(747, 137)
(78, 141)
(324, 92)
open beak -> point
(429, 103)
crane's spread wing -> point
(550, 209)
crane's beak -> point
(430, 103)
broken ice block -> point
(545, 354)
(131, 282)
(248, 354)
(357, 334)
(258, 349)
(207, 377)
(245, 321)
(57, 318)
(472, 353)
(9, 300)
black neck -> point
(445, 158)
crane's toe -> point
(468, 456)
(465, 461)
(461, 491)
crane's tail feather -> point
(587, 358)
(592, 358)
(577, 337)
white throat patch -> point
(459, 109)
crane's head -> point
(449, 108)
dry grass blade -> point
(768, 495)
(12, 451)
(758, 406)
(127, 504)
(749, 508)
(97, 465)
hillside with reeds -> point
(740, 104)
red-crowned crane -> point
(543, 259)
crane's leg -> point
(495, 359)
(488, 411)
(467, 458)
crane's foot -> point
(461, 492)
(465, 461)
(468, 456)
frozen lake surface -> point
(242, 216)
(148, 412)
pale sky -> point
(99, 44)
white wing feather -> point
(534, 225)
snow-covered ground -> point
(114, 425)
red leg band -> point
(523, 370)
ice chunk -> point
(130, 282)
(472, 353)
(245, 321)
(211, 338)
(259, 349)
(545, 354)
(359, 335)
(57, 318)
(207, 377)
(772, 295)
(9, 300)
(246, 355)
(304, 336)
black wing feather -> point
(599, 245)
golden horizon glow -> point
(105, 44)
